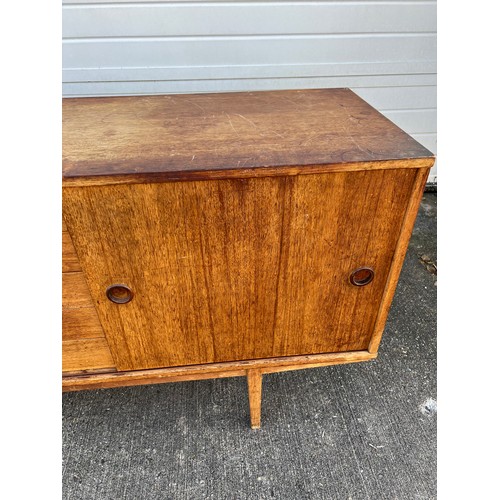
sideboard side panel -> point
(399, 256)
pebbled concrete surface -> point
(361, 431)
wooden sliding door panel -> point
(201, 258)
(333, 225)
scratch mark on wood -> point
(147, 121)
(277, 134)
(231, 123)
(309, 139)
(195, 104)
(349, 135)
(297, 104)
(246, 119)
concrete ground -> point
(361, 431)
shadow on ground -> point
(361, 431)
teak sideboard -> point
(237, 234)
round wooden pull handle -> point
(119, 294)
(362, 276)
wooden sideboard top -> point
(248, 134)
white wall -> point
(384, 50)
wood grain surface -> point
(192, 254)
(70, 262)
(86, 354)
(75, 292)
(216, 370)
(332, 225)
(84, 346)
(399, 256)
(155, 138)
(81, 323)
(238, 269)
(254, 383)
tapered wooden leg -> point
(254, 380)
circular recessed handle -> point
(362, 276)
(119, 294)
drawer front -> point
(86, 355)
(75, 292)
(81, 323)
(70, 262)
(238, 269)
(84, 346)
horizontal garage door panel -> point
(250, 18)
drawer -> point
(75, 292)
(70, 262)
(86, 354)
(81, 323)
(84, 346)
